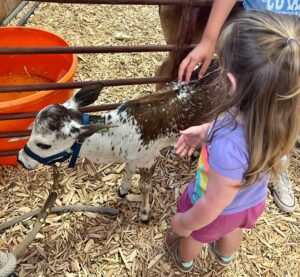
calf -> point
(142, 128)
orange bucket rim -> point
(44, 93)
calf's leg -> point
(145, 186)
(124, 188)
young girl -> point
(283, 193)
(259, 56)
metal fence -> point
(190, 9)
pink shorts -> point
(223, 224)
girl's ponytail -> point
(262, 51)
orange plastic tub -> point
(30, 69)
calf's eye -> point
(43, 146)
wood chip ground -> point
(79, 244)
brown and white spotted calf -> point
(143, 127)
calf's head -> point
(57, 127)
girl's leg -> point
(189, 248)
(229, 243)
(183, 250)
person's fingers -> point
(185, 132)
(179, 142)
(191, 131)
(190, 70)
(191, 151)
(177, 145)
(183, 67)
(184, 152)
(180, 149)
(204, 67)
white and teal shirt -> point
(279, 6)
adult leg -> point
(297, 146)
(170, 21)
(283, 194)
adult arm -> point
(204, 51)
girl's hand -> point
(202, 53)
(190, 139)
(177, 226)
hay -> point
(96, 245)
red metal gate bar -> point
(89, 109)
(11, 116)
(9, 153)
(107, 83)
(15, 134)
(25, 133)
(105, 49)
(99, 108)
(133, 2)
(128, 2)
(91, 49)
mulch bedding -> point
(87, 244)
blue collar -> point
(62, 156)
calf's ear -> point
(88, 130)
(84, 97)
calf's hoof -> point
(144, 216)
(121, 193)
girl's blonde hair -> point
(262, 51)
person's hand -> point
(177, 226)
(202, 53)
(190, 139)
